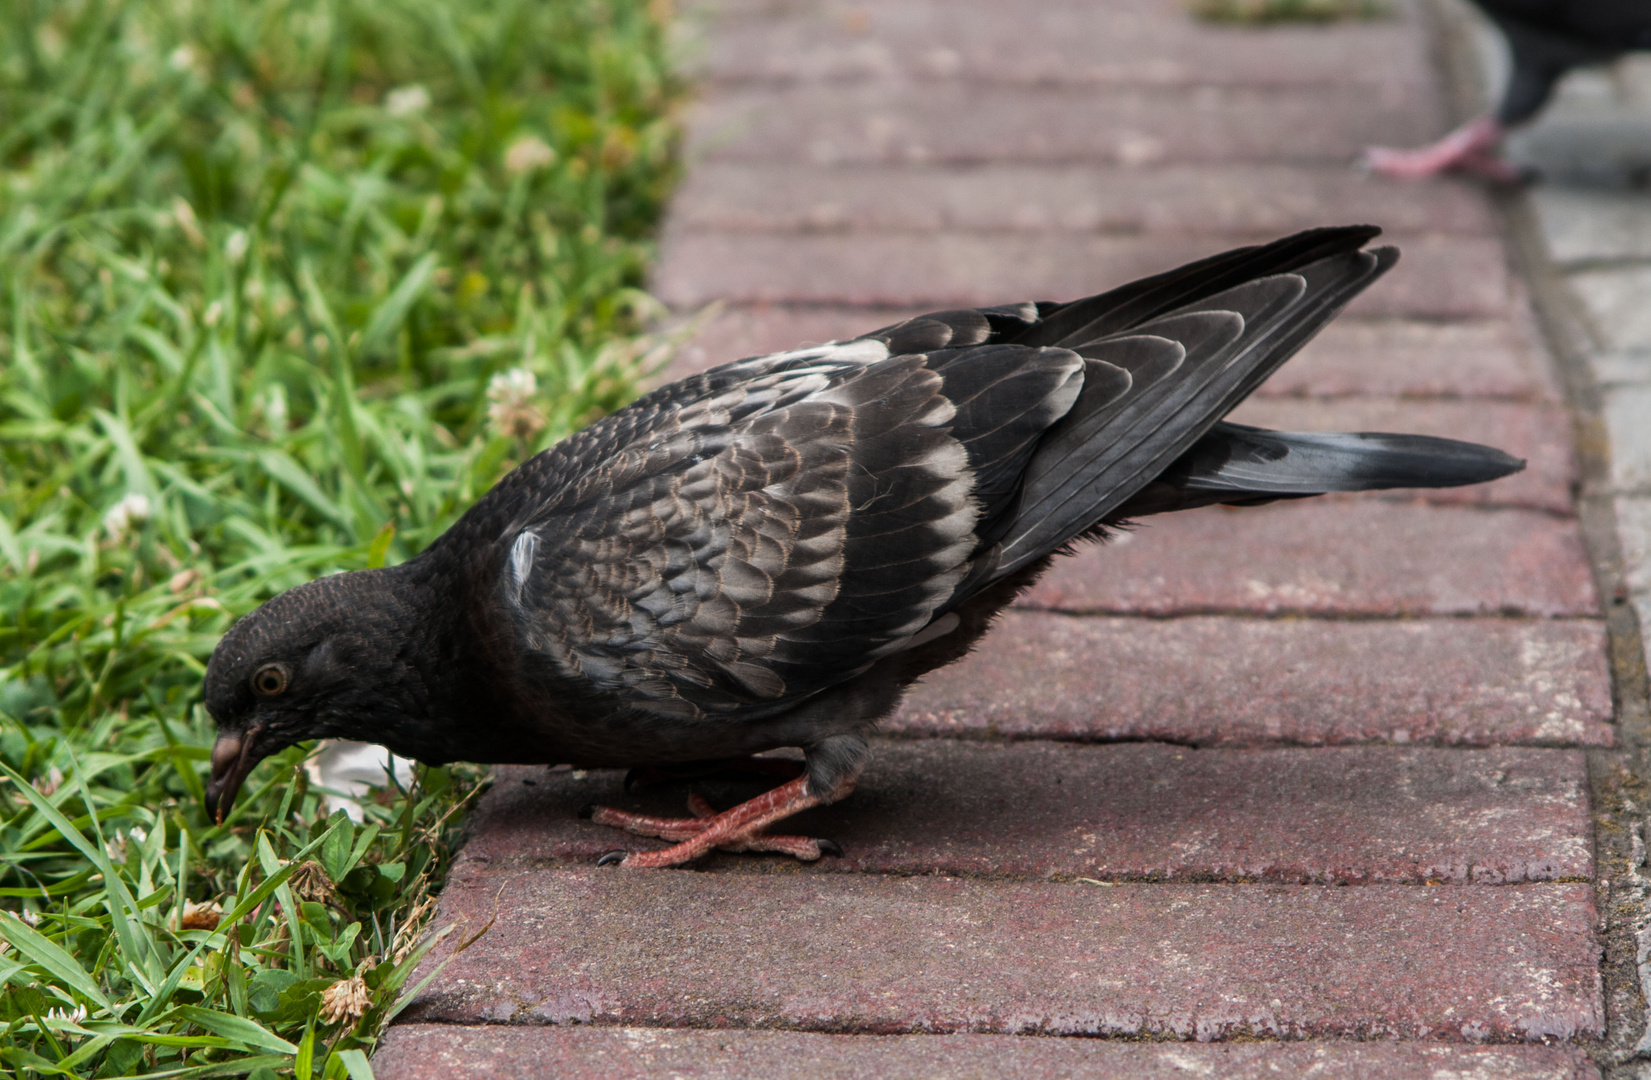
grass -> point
(1276, 11)
(284, 285)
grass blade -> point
(247, 1032)
(388, 316)
(41, 950)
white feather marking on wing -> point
(826, 359)
(863, 351)
(521, 561)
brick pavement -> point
(1313, 777)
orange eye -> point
(269, 680)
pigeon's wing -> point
(1195, 342)
(742, 540)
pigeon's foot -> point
(742, 828)
(1470, 148)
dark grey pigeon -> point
(767, 554)
(1546, 38)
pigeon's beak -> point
(232, 760)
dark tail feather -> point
(1244, 465)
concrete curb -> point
(1582, 239)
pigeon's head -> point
(314, 662)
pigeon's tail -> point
(1241, 465)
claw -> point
(830, 847)
(612, 858)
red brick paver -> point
(1224, 681)
(1244, 200)
(1071, 43)
(1349, 556)
(956, 122)
(1307, 780)
(632, 1053)
(1131, 811)
(1445, 277)
(886, 955)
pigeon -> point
(1546, 38)
(765, 555)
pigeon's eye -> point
(269, 680)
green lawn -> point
(284, 285)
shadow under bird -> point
(1546, 38)
(768, 553)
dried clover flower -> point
(310, 882)
(203, 916)
(345, 999)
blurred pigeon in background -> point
(766, 554)
(1546, 38)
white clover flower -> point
(405, 100)
(129, 513)
(527, 154)
(512, 385)
(235, 248)
(67, 1016)
(512, 413)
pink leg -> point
(739, 829)
(1470, 148)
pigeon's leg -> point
(1470, 148)
(779, 768)
(738, 829)
(672, 829)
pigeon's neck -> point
(398, 615)
(459, 654)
